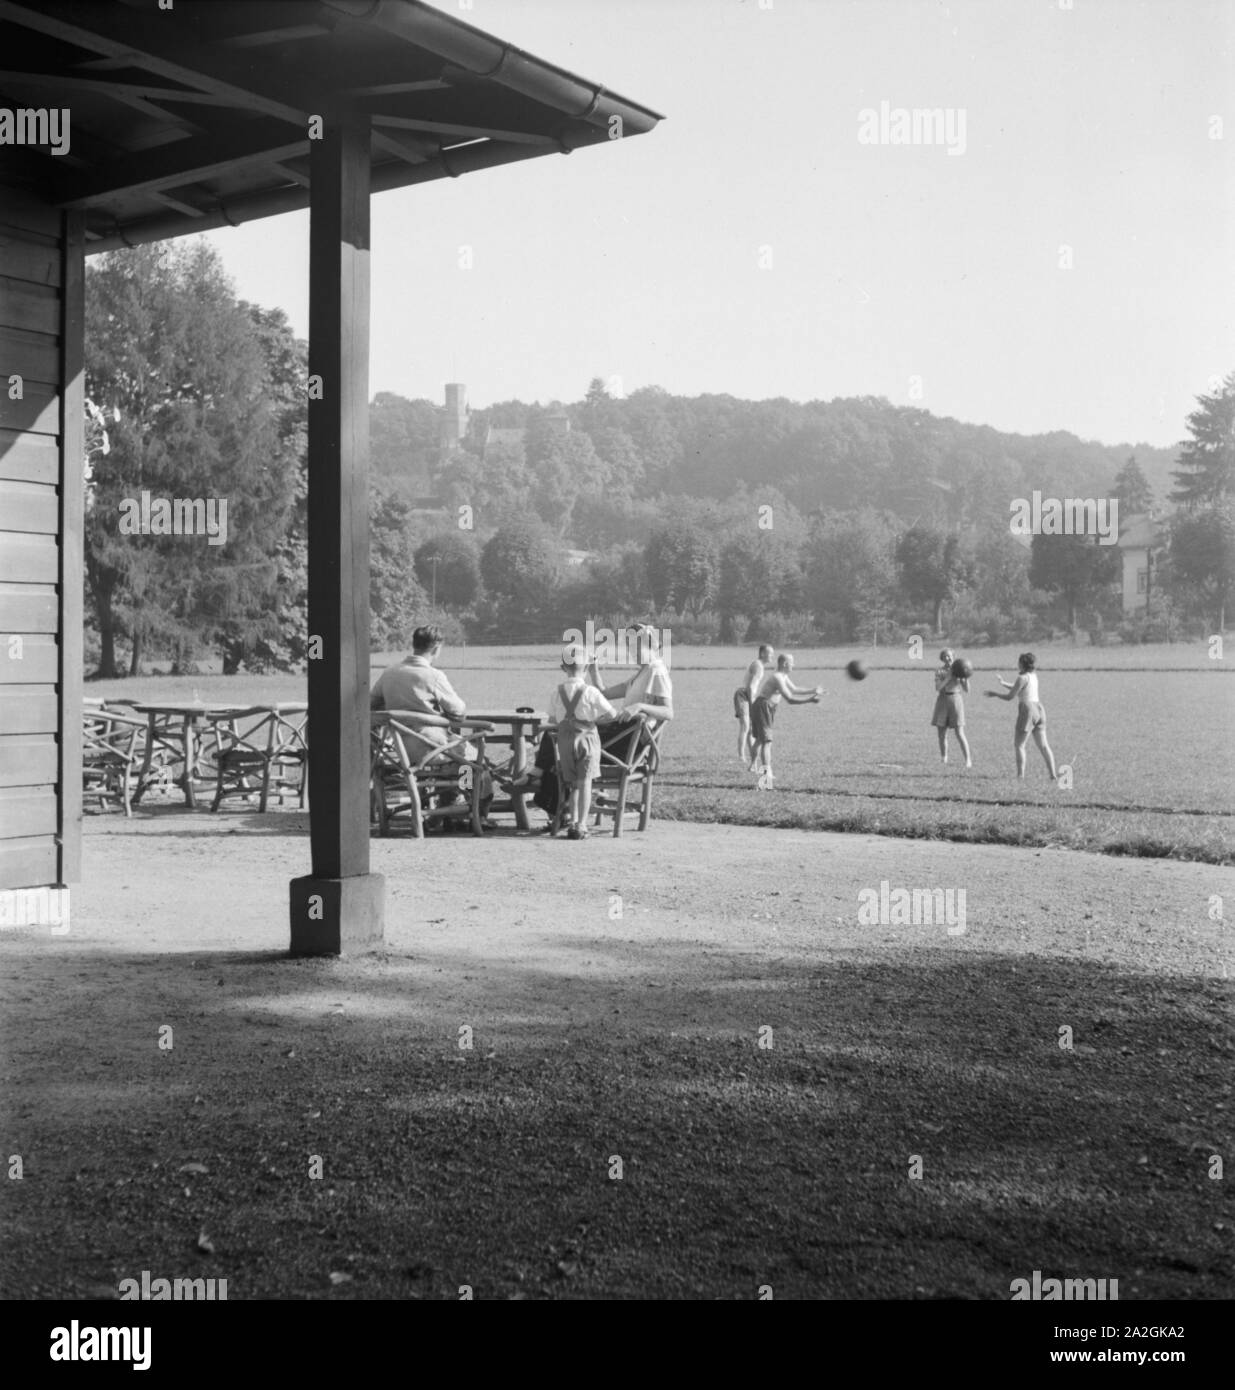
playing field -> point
(1149, 744)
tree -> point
(397, 602)
(448, 566)
(1202, 559)
(496, 485)
(933, 568)
(850, 563)
(1074, 567)
(272, 635)
(681, 558)
(620, 460)
(611, 587)
(170, 348)
(1131, 489)
(567, 469)
(754, 571)
(645, 418)
(519, 562)
(1206, 472)
(403, 443)
(1001, 570)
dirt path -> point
(616, 992)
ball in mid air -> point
(962, 668)
(857, 672)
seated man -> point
(416, 685)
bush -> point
(986, 625)
(1156, 627)
(702, 631)
(783, 630)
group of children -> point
(582, 719)
(952, 685)
(754, 704)
(755, 701)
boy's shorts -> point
(1029, 715)
(578, 754)
(741, 703)
(762, 713)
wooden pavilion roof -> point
(198, 116)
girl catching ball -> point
(952, 685)
(1030, 715)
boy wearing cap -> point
(575, 708)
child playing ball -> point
(1030, 714)
(950, 704)
(774, 687)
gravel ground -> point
(616, 1128)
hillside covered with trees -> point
(844, 520)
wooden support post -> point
(340, 905)
(72, 581)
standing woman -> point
(1030, 715)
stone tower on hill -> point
(454, 417)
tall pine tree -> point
(1206, 472)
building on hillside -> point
(1141, 541)
(498, 436)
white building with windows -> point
(1141, 542)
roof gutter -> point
(482, 56)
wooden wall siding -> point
(29, 862)
(40, 544)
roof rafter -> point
(109, 87)
(129, 38)
(174, 166)
(406, 146)
(392, 89)
(262, 38)
(179, 205)
(290, 172)
(125, 93)
(465, 132)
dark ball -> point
(857, 672)
(962, 668)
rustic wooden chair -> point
(268, 755)
(111, 755)
(628, 767)
(426, 782)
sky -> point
(1065, 265)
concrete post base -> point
(331, 916)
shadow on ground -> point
(616, 1128)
